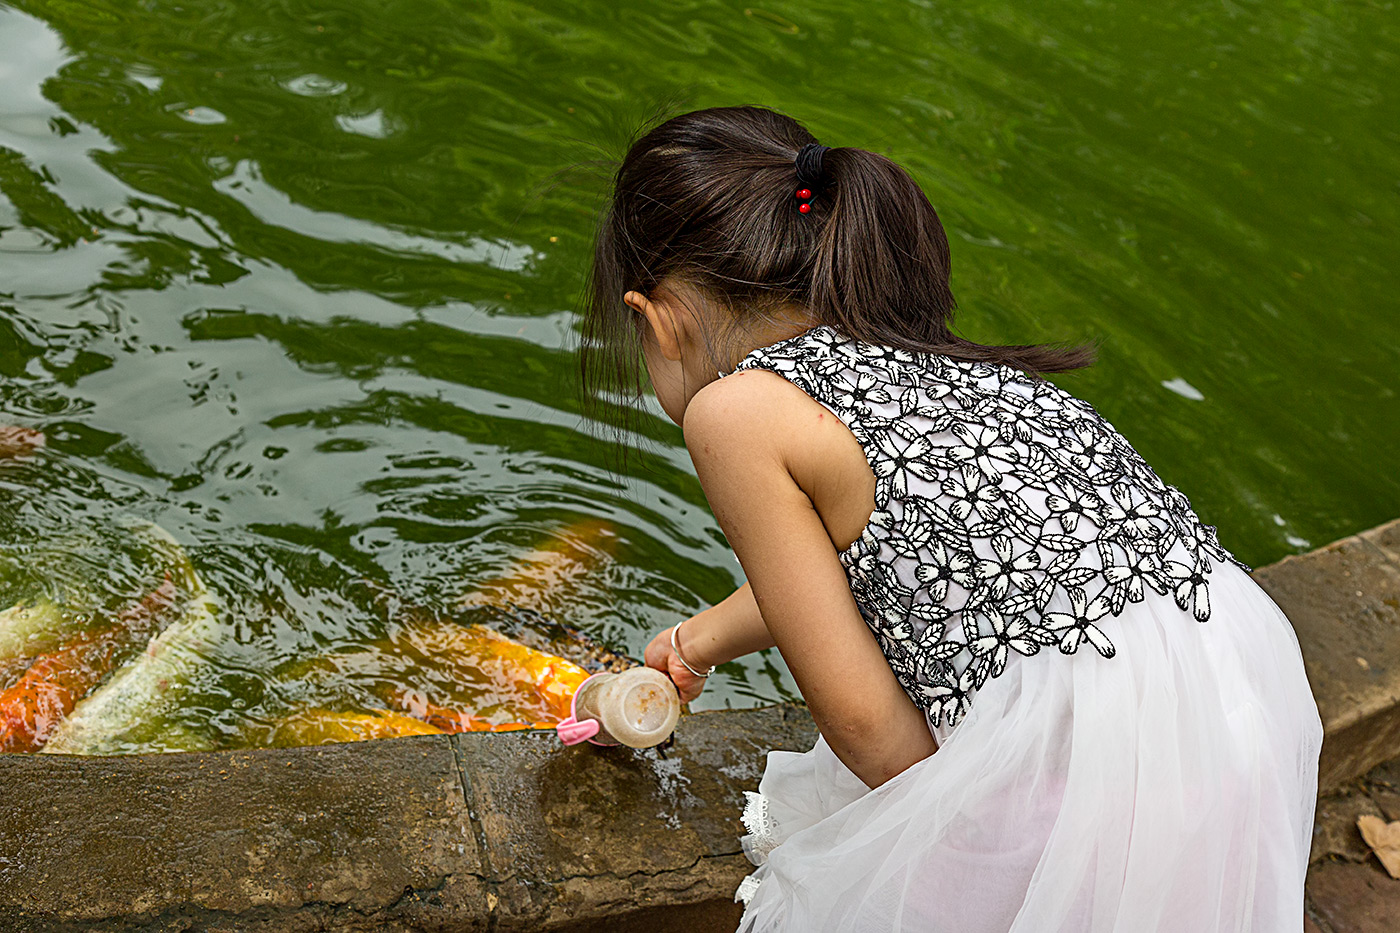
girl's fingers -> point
(658, 652)
(687, 684)
(658, 655)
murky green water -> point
(296, 280)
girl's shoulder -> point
(759, 420)
(755, 406)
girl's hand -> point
(659, 655)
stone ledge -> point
(85, 843)
(1344, 602)
(492, 832)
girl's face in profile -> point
(667, 376)
(672, 348)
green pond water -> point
(297, 281)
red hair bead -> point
(804, 208)
(804, 193)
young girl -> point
(991, 604)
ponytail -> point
(882, 268)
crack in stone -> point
(410, 892)
(479, 835)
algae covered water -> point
(295, 285)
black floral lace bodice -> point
(1009, 515)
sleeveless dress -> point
(1127, 739)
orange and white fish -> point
(32, 708)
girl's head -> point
(705, 222)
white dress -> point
(1163, 780)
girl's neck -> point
(767, 330)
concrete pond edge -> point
(512, 832)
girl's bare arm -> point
(741, 432)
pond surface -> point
(296, 281)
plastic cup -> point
(637, 708)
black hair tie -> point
(809, 164)
(809, 173)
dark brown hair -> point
(707, 199)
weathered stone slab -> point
(1344, 603)
(1386, 537)
(1334, 826)
(581, 835)
(1347, 889)
(1354, 898)
(499, 832)
(192, 841)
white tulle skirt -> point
(1170, 788)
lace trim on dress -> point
(746, 890)
(762, 839)
(762, 826)
(996, 493)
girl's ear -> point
(661, 320)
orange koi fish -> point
(34, 706)
(481, 669)
(454, 720)
(490, 670)
(11, 670)
(322, 726)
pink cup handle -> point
(572, 732)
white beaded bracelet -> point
(677, 650)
